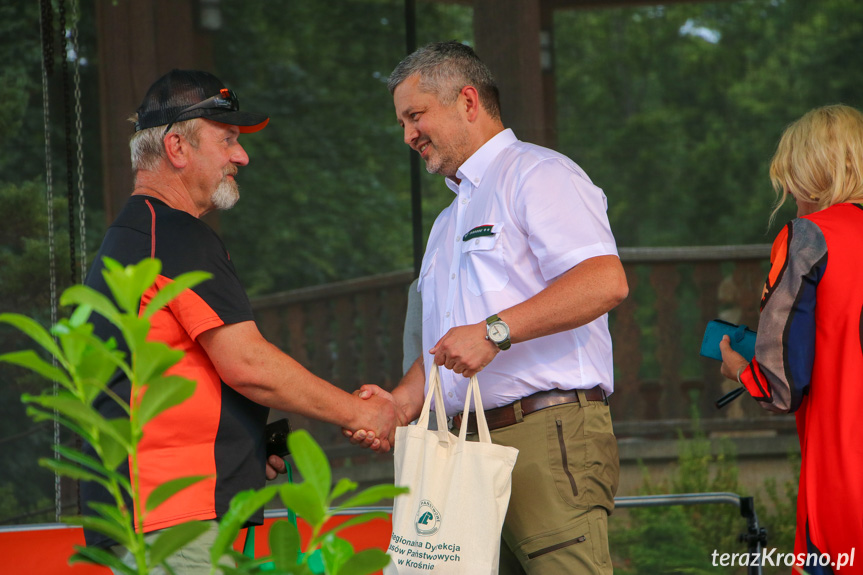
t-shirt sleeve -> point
(221, 300)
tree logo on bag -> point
(427, 519)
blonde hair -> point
(819, 158)
(147, 147)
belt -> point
(506, 415)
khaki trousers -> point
(563, 488)
(193, 559)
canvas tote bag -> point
(451, 520)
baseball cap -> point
(182, 95)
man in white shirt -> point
(517, 278)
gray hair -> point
(148, 148)
(444, 68)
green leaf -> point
(78, 457)
(129, 283)
(82, 414)
(80, 316)
(335, 552)
(164, 393)
(152, 359)
(31, 360)
(95, 369)
(359, 520)
(93, 464)
(68, 470)
(343, 486)
(365, 562)
(135, 330)
(284, 544)
(311, 462)
(83, 295)
(373, 495)
(175, 538)
(170, 488)
(104, 526)
(304, 500)
(113, 451)
(173, 289)
(112, 513)
(99, 556)
(243, 506)
(35, 331)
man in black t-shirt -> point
(185, 153)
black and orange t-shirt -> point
(217, 432)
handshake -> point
(378, 420)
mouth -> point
(422, 149)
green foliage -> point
(313, 500)
(328, 183)
(676, 110)
(84, 366)
(682, 539)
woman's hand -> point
(732, 362)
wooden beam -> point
(507, 36)
(138, 41)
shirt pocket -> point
(484, 262)
(426, 282)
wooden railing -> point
(350, 333)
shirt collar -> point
(475, 167)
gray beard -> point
(226, 195)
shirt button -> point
(476, 241)
(450, 394)
(447, 314)
(464, 201)
(453, 276)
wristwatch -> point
(497, 332)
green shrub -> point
(83, 366)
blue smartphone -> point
(742, 339)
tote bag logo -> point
(427, 520)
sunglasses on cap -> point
(225, 99)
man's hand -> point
(275, 467)
(465, 349)
(366, 438)
(376, 428)
(732, 362)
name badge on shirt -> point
(479, 231)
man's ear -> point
(177, 149)
(470, 102)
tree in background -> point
(327, 195)
(25, 488)
(675, 111)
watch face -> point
(497, 332)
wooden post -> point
(507, 34)
(138, 41)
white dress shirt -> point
(523, 215)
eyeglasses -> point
(225, 99)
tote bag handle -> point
(472, 391)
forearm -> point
(579, 296)
(261, 372)
(410, 392)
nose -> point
(240, 157)
(411, 135)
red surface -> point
(47, 551)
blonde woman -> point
(809, 354)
